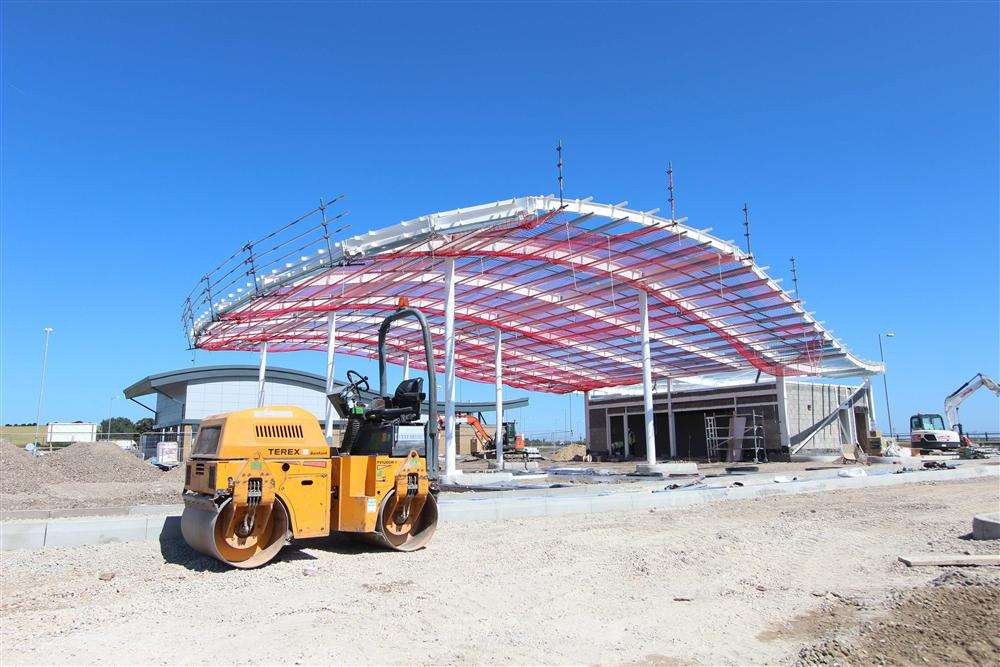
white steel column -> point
(331, 344)
(406, 365)
(779, 381)
(261, 373)
(586, 419)
(647, 379)
(498, 435)
(450, 467)
(670, 420)
(871, 404)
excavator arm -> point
(481, 434)
(952, 403)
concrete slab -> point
(577, 505)
(163, 527)
(665, 469)
(986, 526)
(523, 508)
(73, 532)
(163, 510)
(89, 511)
(514, 466)
(461, 512)
(17, 515)
(479, 478)
(22, 535)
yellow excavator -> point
(258, 478)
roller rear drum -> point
(401, 531)
(203, 526)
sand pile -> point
(575, 452)
(98, 462)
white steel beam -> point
(647, 378)
(261, 373)
(450, 466)
(331, 344)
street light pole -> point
(111, 405)
(41, 387)
(885, 384)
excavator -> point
(511, 440)
(929, 431)
(259, 478)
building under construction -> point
(560, 296)
(765, 420)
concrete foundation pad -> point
(664, 469)
(986, 526)
(73, 532)
(27, 535)
(894, 459)
(477, 478)
(513, 466)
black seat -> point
(409, 395)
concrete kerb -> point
(162, 522)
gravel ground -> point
(779, 580)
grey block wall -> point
(808, 404)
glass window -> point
(927, 423)
(208, 441)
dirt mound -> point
(569, 453)
(175, 473)
(20, 472)
(99, 462)
(951, 622)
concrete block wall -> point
(808, 404)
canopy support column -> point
(331, 344)
(261, 373)
(785, 441)
(406, 365)
(450, 467)
(670, 420)
(586, 419)
(647, 379)
(498, 435)
(872, 424)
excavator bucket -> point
(216, 532)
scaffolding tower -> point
(722, 443)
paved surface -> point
(66, 527)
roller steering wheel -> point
(357, 382)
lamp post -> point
(111, 404)
(41, 387)
(885, 384)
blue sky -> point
(143, 142)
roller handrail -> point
(431, 431)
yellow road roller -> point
(258, 478)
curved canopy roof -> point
(560, 280)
